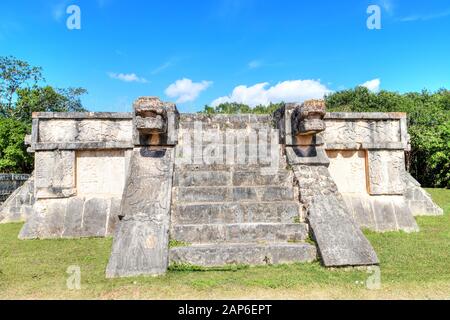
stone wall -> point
(19, 204)
(367, 163)
(81, 160)
(9, 182)
(418, 200)
(76, 152)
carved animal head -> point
(308, 117)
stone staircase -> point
(229, 213)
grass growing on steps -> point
(412, 266)
(176, 243)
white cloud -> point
(287, 91)
(372, 85)
(127, 77)
(184, 90)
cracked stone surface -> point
(141, 239)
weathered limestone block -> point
(386, 171)
(212, 255)
(361, 210)
(57, 130)
(240, 232)
(141, 241)
(94, 172)
(47, 220)
(348, 170)
(244, 212)
(54, 174)
(10, 182)
(378, 212)
(73, 220)
(418, 200)
(338, 237)
(95, 217)
(18, 206)
(72, 130)
(237, 194)
(381, 213)
(151, 125)
(314, 180)
(104, 130)
(74, 217)
(307, 155)
(362, 131)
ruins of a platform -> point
(295, 186)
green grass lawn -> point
(412, 266)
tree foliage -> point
(239, 108)
(14, 157)
(47, 99)
(21, 94)
(14, 75)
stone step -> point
(240, 232)
(262, 167)
(221, 158)
(244, 212)
(250, 135)
(231, 178)
(215, 255)
(226, 121)
(233, 194)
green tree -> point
(239, 108)
(20, 96)
(47, 99)
(14, 75)
(14, 157)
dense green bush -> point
(13, 154)
(239, 108)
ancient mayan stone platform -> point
(223, 189)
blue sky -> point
(207, 51)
